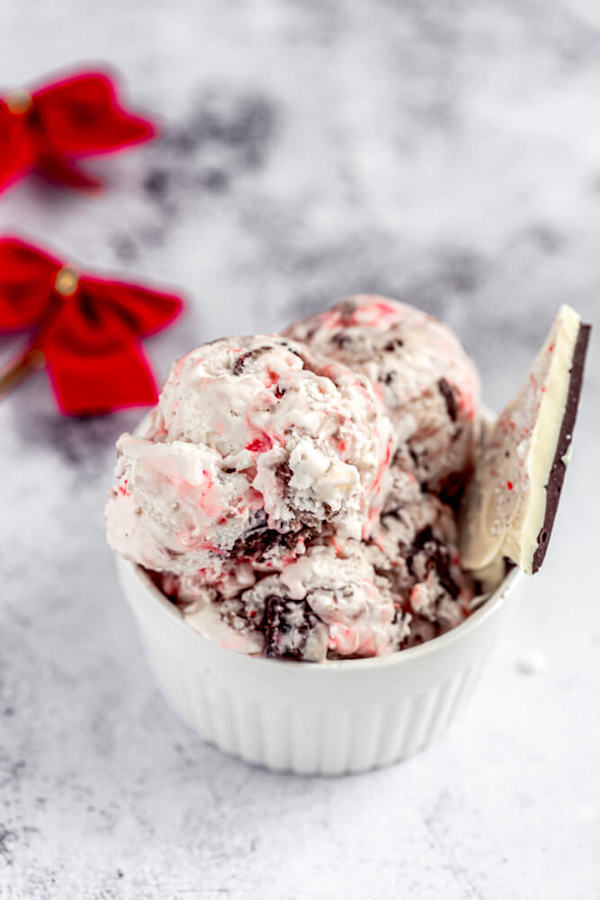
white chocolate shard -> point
(511, 502)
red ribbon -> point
(48, 129)
(87, 330)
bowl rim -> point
(484, 612)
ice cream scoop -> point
(341, 598)
(255, 439)
(511, 503)
(427, 382)
(321, 604)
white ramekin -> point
(327, 718)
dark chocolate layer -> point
(558, 468)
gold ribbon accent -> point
(18, 101)
(66, 282)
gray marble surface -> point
(447, 153)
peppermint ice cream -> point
(296, 496)
(256, 444)
(427, 383)
(318, 605)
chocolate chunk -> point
(453, 488)
(339, 339)
(449, 398)
(284, 474)
(256, 539)
(421, 630)
(290, 349)
(437, 560)
(255, 542)
(394, 344)
(441, 563)
(238, 366)
(423, 537)
(259, 540)
(414, 455)
(558, 468)
(288, 626)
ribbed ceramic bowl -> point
(325, 718)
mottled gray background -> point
(447, 153)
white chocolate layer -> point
(505, 505)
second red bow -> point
(86, 330)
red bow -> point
(87, 330)
(48, 129)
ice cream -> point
(320, 605)
(416, 549)
(358, 598)
(296, 496)
(283, 491)
(428, 384)
(511, 502)
(256, 445)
